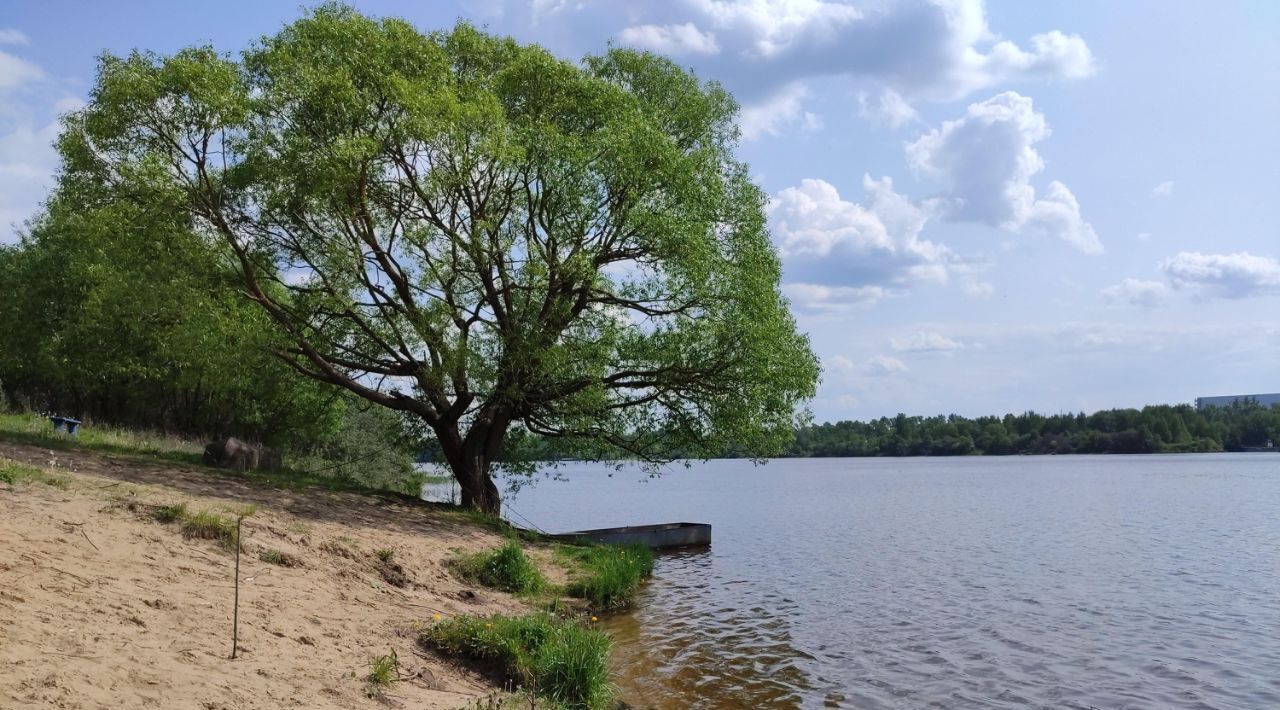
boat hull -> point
(658, 537)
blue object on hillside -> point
(70, 423)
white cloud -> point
(816, 299)
(1164, 189)
(884, 365)
(774, 114)
(889, 109)
(827, 240)
(16, 72)
(939, 49)
(987, 159)
(1223, 275)
(925, 342)
(12, 36)
(676, 40)
(1147, 294)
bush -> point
(555, 658)
(608, 576)
(506, 568)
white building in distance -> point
(1265, 400)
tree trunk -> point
(471, 459)
(478, 489)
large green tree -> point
(475, 232)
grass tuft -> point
(506, 568)
(207, 525)
(272, 556)
(169, 513)
(608, 576)
(385, 554)
(382, 673)
(555, 658)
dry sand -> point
(101, 607)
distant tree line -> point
(1153, 429)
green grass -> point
(506, 568)
(385, 554)
(208, 525)
(34, 429)
(557, 659)
(607, 576)
(382, 673)
(13, 473)
(169, 513)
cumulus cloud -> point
(1238, 275)
(1164, 189)
(986, 159)
(889, 109)
(826, 240)
(676, 40)
(778, 112)
(925, 342)
(939, 49)
(1147, 294)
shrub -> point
(555, 658)
(608, 576)
(506, 568)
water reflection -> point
(694, 650)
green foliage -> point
(385, 554)
(608, 576)
(506, 568)
(556, 658)
(119, 313)
(1152, 429)
(382, 673)
(370, 448)
(570, 247)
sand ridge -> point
(102, 607)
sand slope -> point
(101, 607)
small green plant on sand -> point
(382, 673)
(272, 556)
(608, 576)
(558, 659)
(169, 513)
(385, 554)
(506, 568)
(207, 525)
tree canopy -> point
(473, 231)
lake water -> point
(1062, 582)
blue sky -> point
(982, 207)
